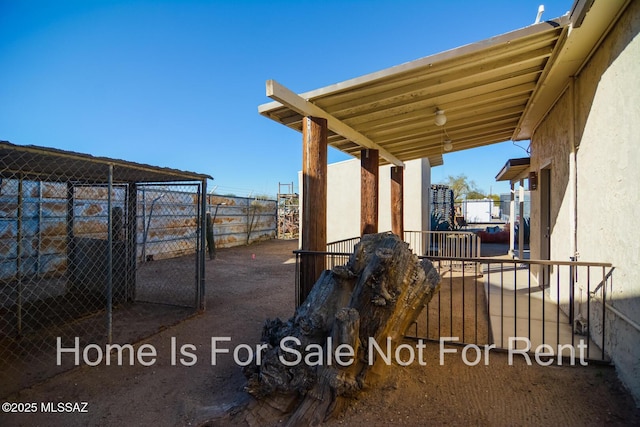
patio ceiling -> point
(491, 91)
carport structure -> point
(491, 91)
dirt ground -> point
(247, 285)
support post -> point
(19, 238)
(199, 232)
(512, 222)
(369, 160)
(71, 255)
(573, 172)
(314, 201)
(521, 223)
(110, 258)
(397, 201)
(202, 226)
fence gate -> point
(167, 244)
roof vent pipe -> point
(540, 12)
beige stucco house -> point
(584, 174)
(569, 85)
(586, 154)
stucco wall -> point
(416, 183)
(417, 189)
(550, 149)
(608, 179)
(343, 198)
(606, 120)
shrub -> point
(439, 222)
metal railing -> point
(554, 304)
(457, 244)
(342, 246)
(523, 306)
(303, 282)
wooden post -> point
(314, 201)
(369, 160)
(397, 201)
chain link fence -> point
(92, 251)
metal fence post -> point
(109, 258)
(572, 284)
(19, 252)
(201, 243)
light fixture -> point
(441, 119)
(447, 145)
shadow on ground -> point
(249, 284)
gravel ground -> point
(247, 285)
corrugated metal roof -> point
(484, 89)
(42, 163)
(491, 91)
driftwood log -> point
(305, 370)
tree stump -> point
(305, 370)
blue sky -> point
(178, 83)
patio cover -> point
(514, 169)
(491, 91)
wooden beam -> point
(300, 105)
(369, 161)
(314, 201)
(397, 201)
